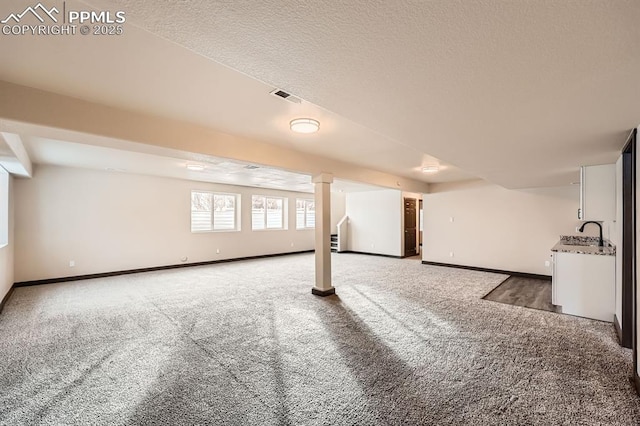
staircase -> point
(334, 243)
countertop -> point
(583, 245)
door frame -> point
(626, 335)
(629, 259)
(404, 226)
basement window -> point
(4, 207)
(211, 211)
(305, 214)
(268, 213)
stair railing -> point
(343, 228)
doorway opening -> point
(410, 227)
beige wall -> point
(7, 252)
(375, 221)
(497, 228)
(108, 221)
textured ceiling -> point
(518, 92)
(143, 72)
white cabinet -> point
(584, 285)
(598, 193)
(554, 275)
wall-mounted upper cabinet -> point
(598, 193)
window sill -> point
(216, 231)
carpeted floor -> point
(246, 343)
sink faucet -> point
(600, 242)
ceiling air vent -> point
(287, 96)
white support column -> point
(322, 184)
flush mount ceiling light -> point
(195, 167)
(430, 169)
(304, 125)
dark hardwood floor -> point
(527, 292)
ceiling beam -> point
(45, 109)
(13, 156)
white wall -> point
(616, 238)
(338, 209)
(116, 221)
(497, 228)
(7, 251)
(375, 219)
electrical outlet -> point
(451, 219)
(217, 251)
(450, 254)
(72, 264)
(547, 263)
(291, 244)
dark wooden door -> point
(410, 227)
